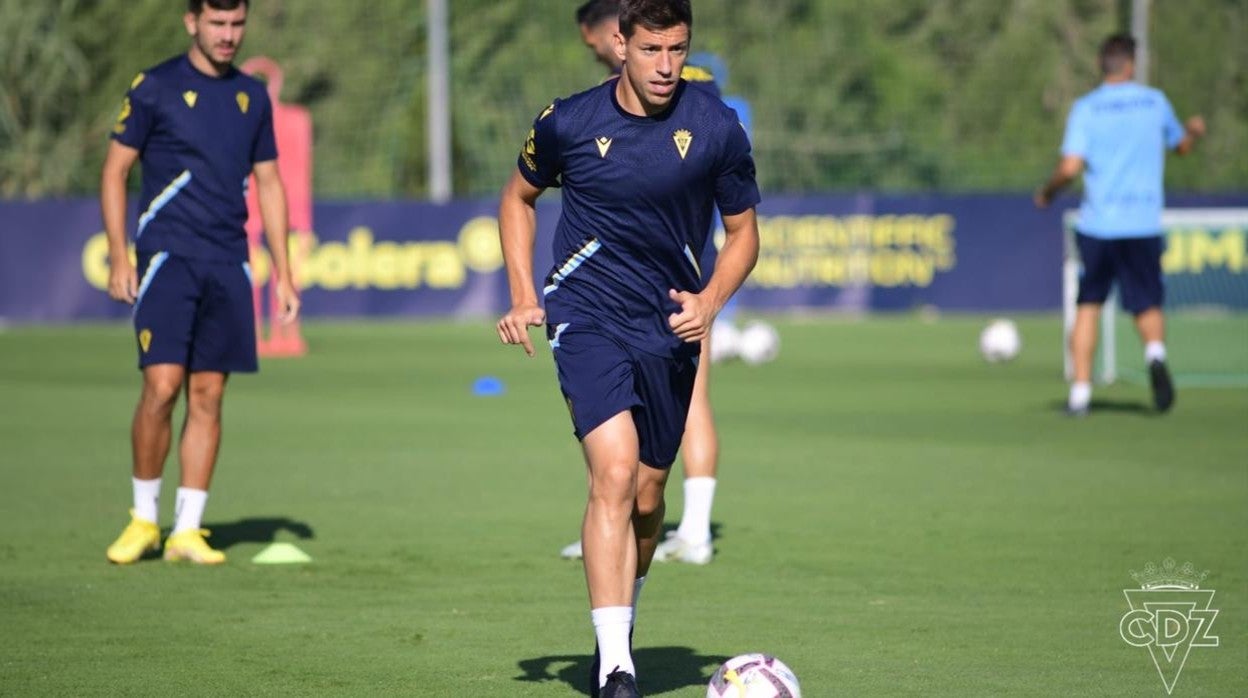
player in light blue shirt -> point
(1117, 136)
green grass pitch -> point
(894, 517)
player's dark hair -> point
(196, 7)
(594, 12)
(654, 15)
(1116, 52)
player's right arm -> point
(517, 230)
(1070, 166)
(122, 281)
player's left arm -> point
(1193, 130)
(272, 199)
(735, 262)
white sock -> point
(146, 499)
(1154, 351)
(611, 625)
(190, 509)
(1080, 396)
(695, 522)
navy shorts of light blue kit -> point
(1134, 263)
(601, 377)
(194, 313)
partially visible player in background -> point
(199, 127)
(1117, 136)
(642, 162)
(599, 21)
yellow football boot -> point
(139, 537)
(190, 545)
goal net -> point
(1206, 280)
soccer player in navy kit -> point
(642, 162)
(1117, 136)
(200, 128)
(691, 541)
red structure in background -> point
(292, 126)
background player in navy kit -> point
(642, 161)
(691, 542)
(199, 127)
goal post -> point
(1205, 269)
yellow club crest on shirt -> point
(145, 340)
(530, 150)
(243, 101)
(683, 138)
(189, 97)
(120, 127)
(604, 144)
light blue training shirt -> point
(1122, 131)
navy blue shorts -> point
(601, 377)
(195, 314)
(1134, 263)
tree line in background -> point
(892, 95)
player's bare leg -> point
(610, 541)
(700, 446)
(1082, 351)
(1151, 324)
(150, 435)
(691, 542)
(611, 453)
(201, 439)
(201, 432)
(151, 431)
(648, 514)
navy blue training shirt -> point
(199, 137)
(638, 196)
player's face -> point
(217, 34)
(652, 63)
(600, 39)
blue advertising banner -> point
(855, 253)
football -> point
(1000, 341)
(758, 343)
(725, 341)
(754, 676)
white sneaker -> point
(572, 551)
(677, 549)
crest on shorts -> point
(190, 96)
(145, 340)
(243, 101)
(683, 138)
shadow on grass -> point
(1118, 406)
(661, 669)
(255, 530)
